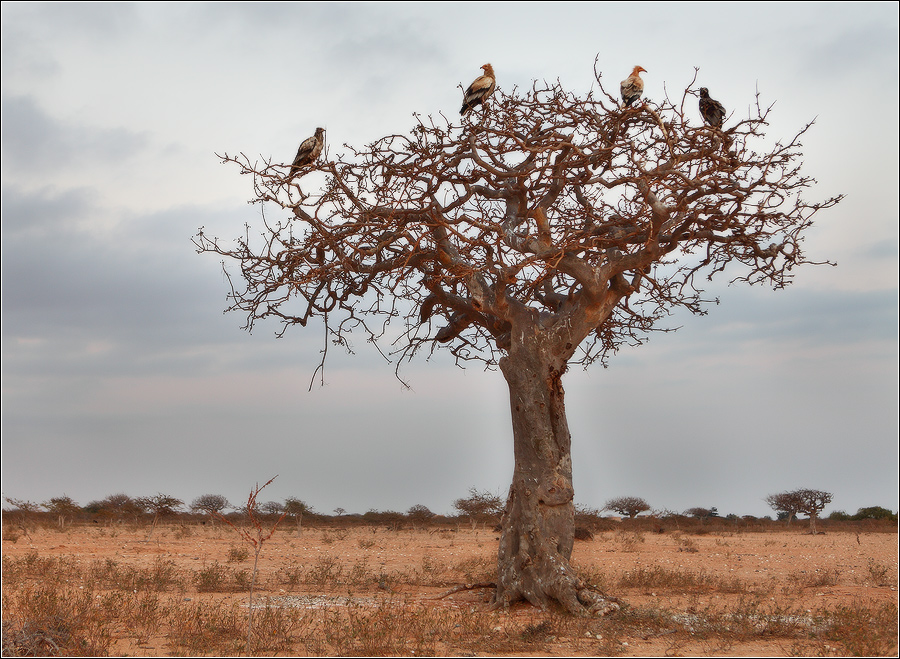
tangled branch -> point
(599, 220)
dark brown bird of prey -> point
(479, 90)
(632, 87)
(309, 150)
(712, 111)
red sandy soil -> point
(782, 564)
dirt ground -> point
(823, 571)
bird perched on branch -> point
(309, 150)
(479, 90)
(711, 110)
(632, 87)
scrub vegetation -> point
(387, 583)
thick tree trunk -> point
(539, 522)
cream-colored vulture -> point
(632, 87)
(479, 90)
(309, 150)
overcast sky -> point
(122, 374)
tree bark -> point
(539, 521)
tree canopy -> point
(628, 506)
(804, 500)
(552, 204)
(479, 505)
(210, 503)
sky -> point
(122, 374)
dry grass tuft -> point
(864, 630)
(658, 578)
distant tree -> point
(702, 513)
(22, 506)
(94, 507)
(20, 512)
(785, 504)
(161, 505)
(272, 507)
(63, 507)
(630, 507)
(210, 503)
(806, 501)
(339, 511)
(296, 509)
(116, 506)
(813, 502)
(392, 518)
(480, 506)
(419, 513)
(875, 512)
(549, 230)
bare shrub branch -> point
(255, 537)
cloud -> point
(44, 212)
(849, 52)
(35, 143)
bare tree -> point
(210, 503)
(297, 509)
(480, 506)
(63, 507)
(813, 502)
(21, 505)
(702, 513)
(631, 507)
(116, 506)
(272, 507)
(549, 230)
(161, 505)
(419, 513)
(806, 501)
(784, 503)
(21, 512)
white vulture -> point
(632, 87)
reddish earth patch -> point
(646, 570)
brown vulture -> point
(479, 90)
(632, 87)
(309, 150)
(712, 111)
